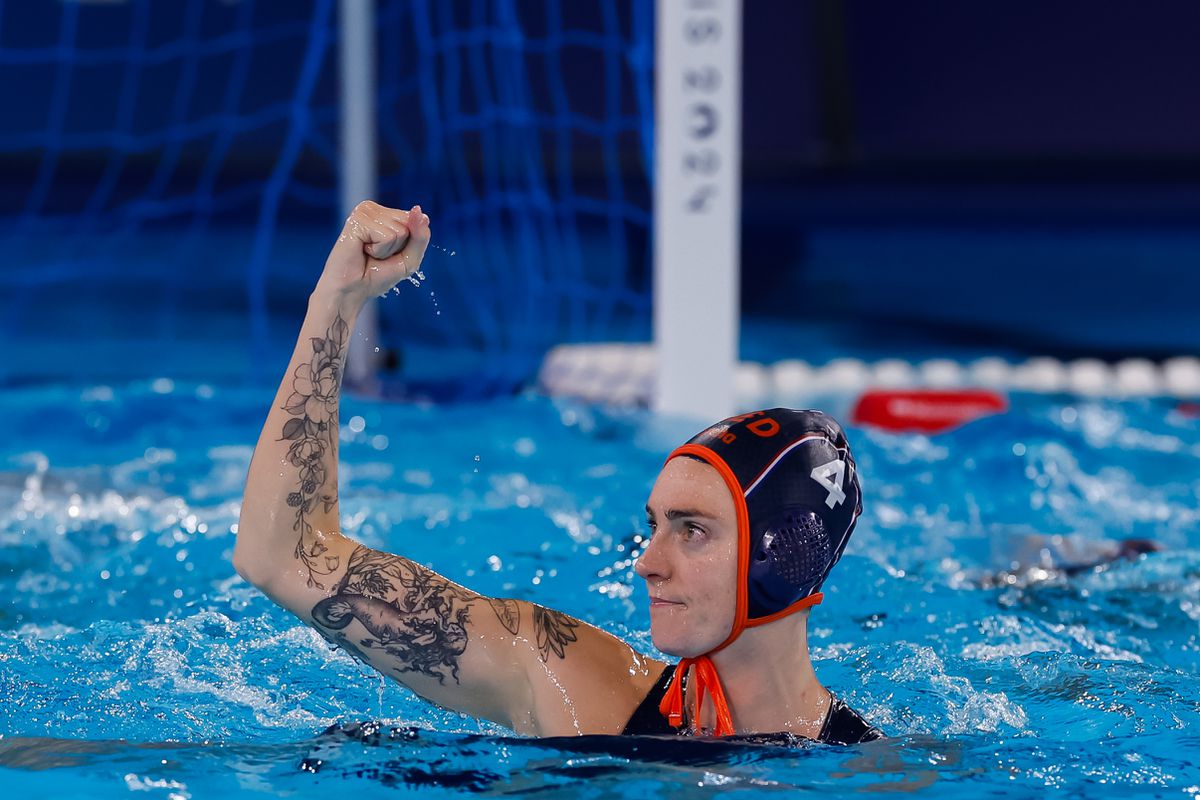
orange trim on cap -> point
(799, 605)
(743, 528)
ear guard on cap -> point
(789, 560)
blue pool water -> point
(134, 662)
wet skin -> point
(690, 562)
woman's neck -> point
(769, 681)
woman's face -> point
(690, 562)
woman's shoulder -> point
(844, 725)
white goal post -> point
(697, 202)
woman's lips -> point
(658, 602)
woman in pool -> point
(746, 521)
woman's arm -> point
(504, 660)
(290, 504)
(398, 616)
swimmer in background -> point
(1074, 554)
(1034, 557)
(746, 521)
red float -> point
(926, 411)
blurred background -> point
(919, 180)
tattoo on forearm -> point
(411, 613)
(312, 431)
(555, 631)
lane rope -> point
(623, 375)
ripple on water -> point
(1051, 681)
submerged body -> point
(746, 667)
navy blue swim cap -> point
(796, 494)
(795, 488)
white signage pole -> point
(356, 63)
(697, 191)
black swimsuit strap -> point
(647, 719)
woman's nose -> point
(651, 563)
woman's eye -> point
(692, 531)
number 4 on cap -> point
(835, 470)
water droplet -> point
(376, 349)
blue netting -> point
(526, 129)
(170, 175)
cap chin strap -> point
(707, 681)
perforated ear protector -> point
(791, 556)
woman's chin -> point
(674, 645)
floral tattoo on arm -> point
(312, 433)
(415, 620)
(555, 631)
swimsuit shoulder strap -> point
(646, 719)
(844, 725)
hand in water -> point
(378, 248)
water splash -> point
(1101, 664)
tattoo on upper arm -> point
(418, 618)
(508, 612)
(412, 614)
(312, 431)
(555, 631)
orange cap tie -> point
(671, 705)
(707, 682)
